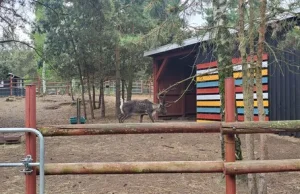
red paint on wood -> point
(216, 90)
(155, 83)
(207, 65)
(235, 61)
(30, 122)
(230, 139)
(207, 90)
(209, 116)
(240, 89)
(255, 118)
(162, 68)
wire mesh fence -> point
(16, 87)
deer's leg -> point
(151, 117)
(120, 117)
(141, 118)
(125, 117)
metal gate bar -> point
(30, 164)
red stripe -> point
(209, 116)
(239, 60)
(240, 89)
(256, 118)
(218, 117)
(207, 65)
(216, 90)
(208, 91)
(235, 61)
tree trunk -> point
(101, 100)
(94, 93)
(82, 90)
(90, 96)
(248, 95)
(123, 89)
(71, 89)
(259, 92)
(44, 78)
(224, 54)
(118, 80)
(129, 89)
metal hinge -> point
(28, 169)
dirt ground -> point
(160, 147)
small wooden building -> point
(12, 86)
(281, 78)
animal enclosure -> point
(178, 126)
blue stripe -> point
(255, 111)
(238, 82)
(207, 84)
(208, 110)
(217, 110)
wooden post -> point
(11, 85)
(30, 122)
(78, 110)
(229, 138)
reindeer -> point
(143, 107)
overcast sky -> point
(194, 19)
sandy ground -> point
(160, 147)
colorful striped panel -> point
(208, 98)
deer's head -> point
(162, 106)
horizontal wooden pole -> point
(262, 166)
(130, 128)
(261, 127)
(134, 167)
(229, 168)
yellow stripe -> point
(241, 103)
(207, 78)
(238, 74)
(238, 103)
(264, 72)
(208, 103)
(200, 121)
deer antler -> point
(164, 92)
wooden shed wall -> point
(208, 97)
(177, 69)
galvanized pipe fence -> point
(28, 162)
(230, 168)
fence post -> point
(229, 139)
(30, 122)
(11, 85)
